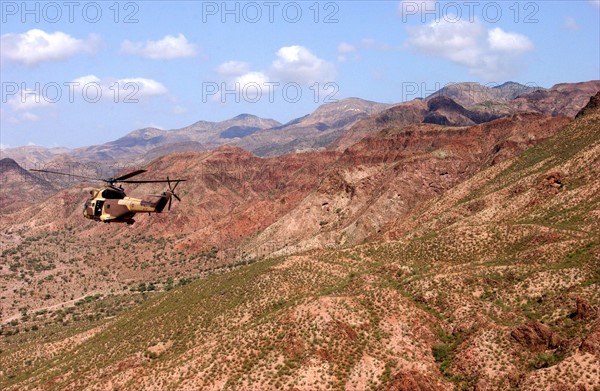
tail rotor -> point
(171, 192)
(168, 195)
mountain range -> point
(333, 125)
(443, 243)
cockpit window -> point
(112, 194)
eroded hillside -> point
(237, 207)
(492, 284)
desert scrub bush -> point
(545, 360)
(445, 351)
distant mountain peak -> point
(353, 99)
(230, 152)
(245, 116)
(592, 106)
(251, 120)
(7, 161)
(471, 93)
(201, 123)
(508, 83)
(7, 164)
(353, 103)
(442, 101)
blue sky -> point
(81, 73)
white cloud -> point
(510, 42)
(491, 55)
(83, 80)
(458, 42)
(293, 64)
(30, 117)
(89, 88)
(36, 46)
(19, 118)
(27, 99)
(233, 68)
(146, 87)
(595, 3)
(298, 64)
(81, 89)
(346, 48)
(128, 88)
(168, 48)
(571, 24)
(252, 84)
(252, 77)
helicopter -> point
(110, 204)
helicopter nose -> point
(85, 208)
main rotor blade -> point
(66, 174)
(176, 196)
(152, 181)
(129, 175)
(121, 179)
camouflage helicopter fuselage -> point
(111, 205)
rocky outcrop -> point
(536, 336)
(444, 111)
(552, 182)
(566, 387)
(591, 344)
(560, 100)
(592, 106)
(19, 187)
(411, 381)
(585, 311)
